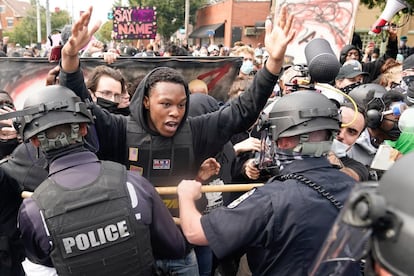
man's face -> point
(352, 54)
(352, 128)
(345, 82)
(166, 105)
(109, 89)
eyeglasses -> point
(396, 109)
(110, 95)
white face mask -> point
(247, 67)
(339, 148)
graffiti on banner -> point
(331, 20)
(23, 76)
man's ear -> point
(35, 141)
(83, 129)
(146, 102)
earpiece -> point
(374, 118)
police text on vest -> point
(100, 236)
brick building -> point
(11, 12)
(229, 21)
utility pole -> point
(48, 24)
(39, 26)
(186, 20)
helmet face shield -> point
(348, 240)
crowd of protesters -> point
(278, 127)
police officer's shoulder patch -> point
(243, 197)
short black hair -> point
(165, 74)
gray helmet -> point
(51, 106)
(302, 112)
(359, 93)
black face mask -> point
(107, 104)
(348, 88)
(8, 146)
(112, 107)
(393, 133)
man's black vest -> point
(93, 229)
(163, 161)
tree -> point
(25, 32)
(105, 32)
(381, 4)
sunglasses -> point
(396, 109)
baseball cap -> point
(349, 71)
(408, 62)
(403, 38)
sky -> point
(100, 8)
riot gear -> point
(360, 92)
(51, 106)
(378, 218)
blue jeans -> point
(204, 259)
(179, 267)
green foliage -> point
(170, 13)
(104, 33)
(381, 3)
(25, 31)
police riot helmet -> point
(376, 219)
(393, 244)
(359, 93)
(303, 112)
(51, 106)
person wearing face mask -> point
(350, 76)
(107, 87)
(282, 224)
(8, 135)
(353, 123)
(246, 73)
(383, 112)
(373, 68)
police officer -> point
(88, 217)
(376, 225)
(281, 225)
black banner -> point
(23, 76)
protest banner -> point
(134, 23)
(331, 20)
(23, 76)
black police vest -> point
(93, 228)
(163, 161)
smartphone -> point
(55, 53)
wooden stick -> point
(171, 190)
(212, 188)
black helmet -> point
(51, 106)
(359, 93)
(303, 112)
(379, 215)
(393, 246)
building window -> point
(10, 22)
(2, 8)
